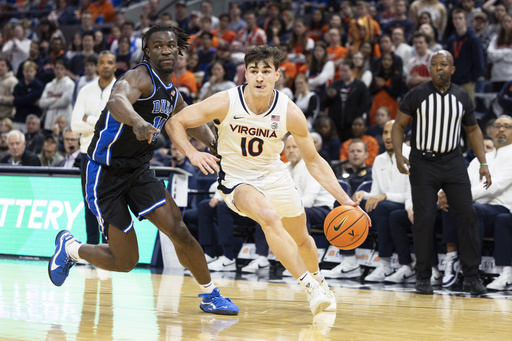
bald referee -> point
(438, 108)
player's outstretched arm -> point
(317, 166)
(133, 85)
(212, 108)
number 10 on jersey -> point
(254, 147)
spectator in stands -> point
(50, 155)
(236, 23)
(488, 203)
(86, 22)
(358, 131)
(308, 101)
(217, 82)
(382, 116)
(386, 46)
(18, 156)
(330, 141)
(16, 50)
(386, 87)
(387, 14)
(99, 42)
(205, 51)
(205, 25)
(277, 34)
(64, 14)
(184, 80)
(428, 29)
(320, 70)
(58, 130)
(251, 35)
(468, 54)
(479, 26)
(417, 68)
(436, 10)
(102, 11)
(346, 99)
(362, 28)
(34, 138)
(388, 194)
(317, 139)
(362, 70)
(223, 33)
(335, 50)
(26, 95)
(35, 55)
(76, 66)
(56, 52)
(207, 10)
(124, 59)
(128, 29)
(354, 170)
(223, 55)
(426, 18)
(316, 200)
(6, 124)
(7, 84)
(317, 26)
(75, 46)
(400, 20)
(4, 147)
(499, 54)
(299, 45)
(181, 15)
(505, 98)
(57, 96)
(90, 75)
(72, 147)
(400, 47)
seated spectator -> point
(399, 20)
(287, 68)
(362, 28)
(359, 130)
(205, 25)
(56, 52)
(57, 96)
(193, 66)
(401, 48)
(50, 155)
(64, 14)
(223, 55)
(223, 33)
(7, 84)
(17, 49)
(330, 142)
(386, 87)
(429, 30)
(317, 26)
(306, 100)
(505, 98)
(354, 170)
(417, 68)
(299, 44)
(362, 70)
(99, 42)
(251, 35)
(316, 200)
(488, 203)
(386, 46)
(4, 147)
(76, 66)
(17, 155)
(382, 116)
(184, 80)
(26, 95)
(216, 83)
(90, 75)
(124, 59)
(388, 194)
(35, 55)
(206, 51)
(60, 126)
(277, 33)
(281, 86)
(317, 139)
(320, 71)
(236, 23)
(72, 155)
(128, 29)
(335, 50)
(34, 137)
(75, 46)
(6, 124)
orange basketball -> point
(346, 227)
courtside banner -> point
(34, 208)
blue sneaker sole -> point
(219, 312)
(51, 259)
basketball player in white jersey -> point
(252, 120)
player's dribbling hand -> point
(145, 131)
(356, 205)
(206, 162)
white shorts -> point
(278, 187)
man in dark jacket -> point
(18, 156)
(26, 94)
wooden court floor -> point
(99, 305)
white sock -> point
(207, 288)
(307, 281)
(72, 250)
(452, 254)
(385, 261)
(318, 276)
(351, 259)
(507, 270)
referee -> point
(437, 109)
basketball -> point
(346, 227)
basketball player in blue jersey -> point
(118, 175)
(252, 121)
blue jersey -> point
(115, 144)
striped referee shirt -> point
(437, 117)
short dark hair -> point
(91, 59)
(419, 35)
(3, 59)
(88, 33)
(61, 62)
(264, 53)
(180, 34)
(348, 62)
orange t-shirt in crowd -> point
(197, 43)
(186, 82)
(106, 9)
(336, 53)
(290, 70)
(228, 36)
(371, 143)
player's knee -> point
(127, 265)
(269, 219)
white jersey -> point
(250, 145)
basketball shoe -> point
(504, 282)
(62, 261)
(451, 270)
(223, 264)
(259, 264)
(348, 268)
(405, 274)
(330, 294)
(437, 277)
(474, 285)
(319, 298)
(215, 303)
(379, 274)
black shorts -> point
(110, 191)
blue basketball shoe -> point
(216, 304)
(61, 262)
